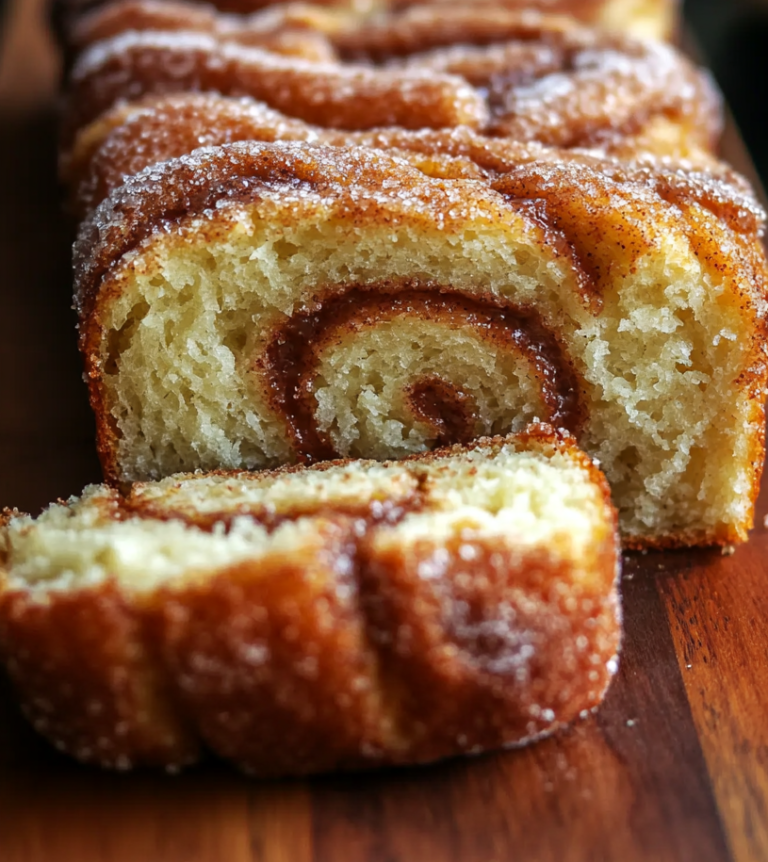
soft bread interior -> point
(658, 366)
(526, 495)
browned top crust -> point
(164, 196)
(516, 74)
(130, 137)
(333, 95)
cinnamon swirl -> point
(349, 615)
(254, 304)
(525, 76)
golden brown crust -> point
(656, 19)
(340, 655)
(419, 29)
(520, 75)
(129, 138)
(545, 78)
(273, 665)
(90, 680)
(442, 699)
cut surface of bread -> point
(347, 615)
(256, 304)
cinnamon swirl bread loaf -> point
(254, 304)
(348, 615)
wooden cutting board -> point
(674, 767)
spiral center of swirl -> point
(288, 367)
(445, 407)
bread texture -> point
(256, 304)
(347, 615)
(505, 73)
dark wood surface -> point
(674, 767)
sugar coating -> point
(293, 30)
(645, 18)
(128, 138)
(544, 78)
(349, 96)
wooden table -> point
(674, 767)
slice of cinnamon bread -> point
(346, 615)
(255, 304)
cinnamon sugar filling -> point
(290, 364)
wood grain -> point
(628, 784)
(674, 767)
(718, 611)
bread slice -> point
(256, 304)
(347, 615)
(132, 136)
(511, 73)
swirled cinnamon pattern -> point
(506, 73)
(290, 362)
(291, 301)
